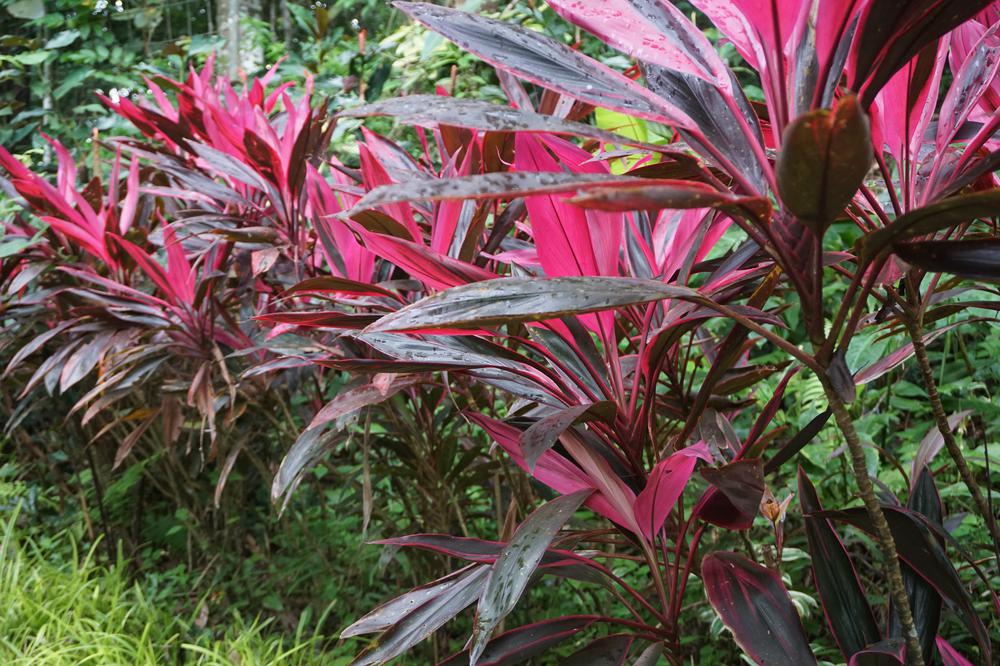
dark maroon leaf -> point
(923, 554)
(755, 606)
(742, 482)
(391, 612)
(847, 611)
(840, 377)
(891, 32)
(925, 602)
(538, 59)
(340, 285)
(722, 120)
(488, 186)
(938, 216)
(519, 645)
(508, 300)
(825, 155)
(542, 434)
(890, 652)
(327, 319)
(433, 110)
(513, 569)
(976, 259)
(327, 423)
(654, 195)
(419, 621)
(472, 550)
(605, 651)
(898, 357)
(715, 508)
(797, 442)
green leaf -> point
(824, 157)
(61, 39)
(71, 81)
(32, 57)
(27, 9)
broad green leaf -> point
(61, 39)
(27, 9)
(824, 157)
(511, 572)
(32, 57)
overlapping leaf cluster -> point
(593, 302)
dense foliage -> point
(724, 300)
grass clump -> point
(58, 605)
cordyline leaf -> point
(797, 442)
(824, 157)
(340, 285)
(847, 611)
(324, 427)
(925, 602)
(319, 319)
(665, 485)
(430, 267)
(896, 358)
(511, 572)
(653, 195)
(542, 434)
(418, 622)
(386, 615)
(560, 474)
(519, 645)
(938, 216)
(922, 553)
(755, 606)
(949, 655)
(605, 651)
(487, 186)
(891, 32)
(651, 31)
(509, 300)
(975, 259)
(724, 119)
(472, 550)
(538, 59)
(435, 110)
(932, 443)
(741, 481)
(888, 652)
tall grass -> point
(80, 612)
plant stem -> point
(920, 352)
(883, 534)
